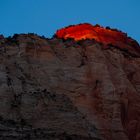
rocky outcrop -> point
(59, 89)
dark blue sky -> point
(44, 17)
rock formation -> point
(78, 85)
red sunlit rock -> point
(98, 33)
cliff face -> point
(62, 89)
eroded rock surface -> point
(58, 89)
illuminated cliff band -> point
(98, 33)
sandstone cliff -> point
(57, 89)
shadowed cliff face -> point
(58, 89)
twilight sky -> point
(44, 17)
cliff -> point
(70, 87)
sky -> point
(44, 17)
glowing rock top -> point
(98, 33)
